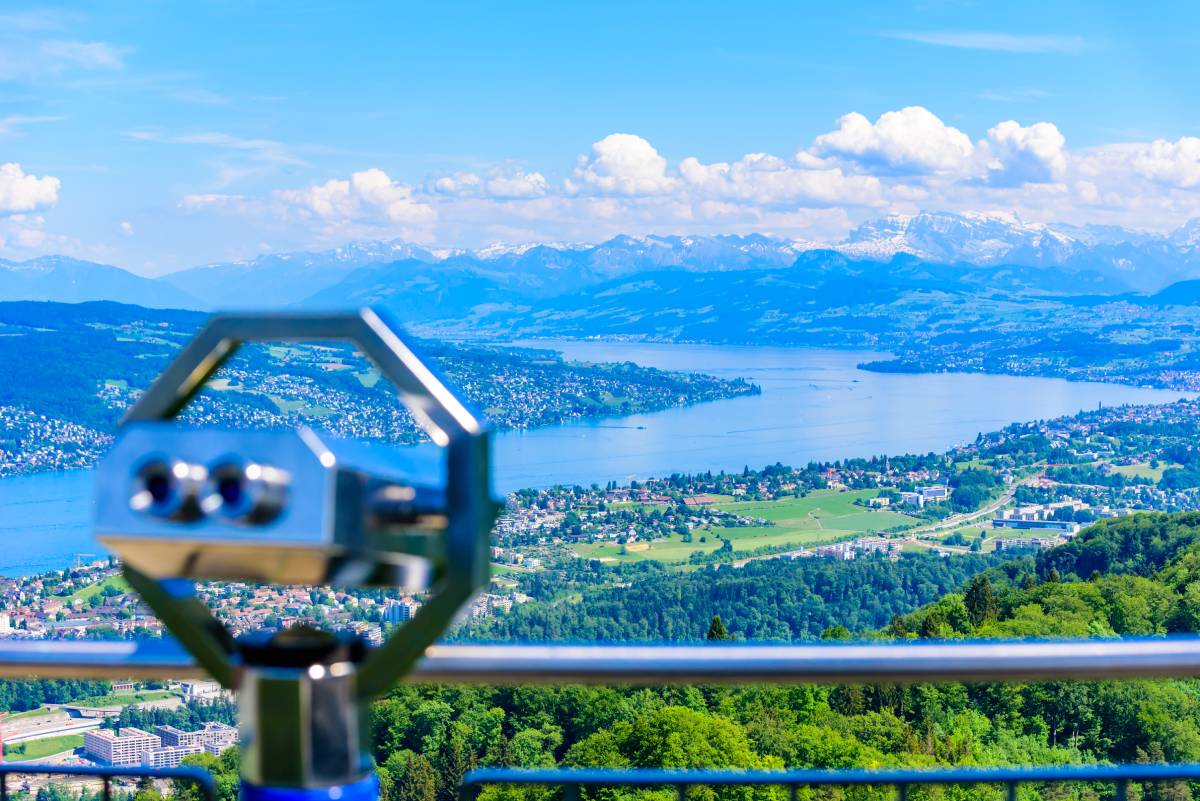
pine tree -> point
(716, 630)
(981, 600)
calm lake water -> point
(815, 405)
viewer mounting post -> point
(297, 507)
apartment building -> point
(119, 748)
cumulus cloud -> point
(623, 164)
(904, 161)
(767, 179)
(369, 196)
(1174, 164)
(911, 140)
(518, 184)
(1033, 154)
(126, 228)
(20, 192)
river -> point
(815, 405)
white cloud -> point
(518, 184)
(459, 183)
(267, 151)
(87, 55)
(905, 161)
(766, 179)
(987, 40)
(1174, 164)
(126, 228)
(13, 123)
(912, 140)
(623, 164)
(501, 184)
(210, 200)
(20, 192)
(369, 196)
(1033, 154)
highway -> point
(76, 726)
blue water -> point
(815, 405)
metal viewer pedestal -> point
(179, 505)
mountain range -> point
(984, 252)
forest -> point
(770, 599)
(1132, 576)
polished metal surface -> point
(181, 504)
(436, 407)
(303, 727)
(282, 507)
(670, 664)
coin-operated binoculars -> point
(294, 507)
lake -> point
(815, 405)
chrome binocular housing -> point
(280, 507)
(297, 507)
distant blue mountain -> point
(975, 251)
(287, 278)
(59, 278)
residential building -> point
(168, 756)
(124, 747)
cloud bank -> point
(902, 161)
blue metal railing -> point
(573, 781)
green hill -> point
(1141, 576)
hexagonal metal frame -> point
(447, 420)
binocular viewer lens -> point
(247, 492)
(240, 492)
(168, 488)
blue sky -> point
(156, 135)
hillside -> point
(84, 364)
(426, 737)
(777, 599)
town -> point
(1028, 486)
(327, 387)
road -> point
(76, 726)
(954, 521)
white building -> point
(202, 689)
(168, 756)
(934, 493)
(399, 611)
(217, 735)
(119, 748)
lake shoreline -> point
(815, 405)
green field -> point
(40, 749)
(121, 699)
(821, 517)
(87, 592)
(1143, 470)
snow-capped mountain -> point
(976, 238)
(288, 278)
(1141, 261)
(1049, 258)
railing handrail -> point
(831, 663)
(649, 777)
